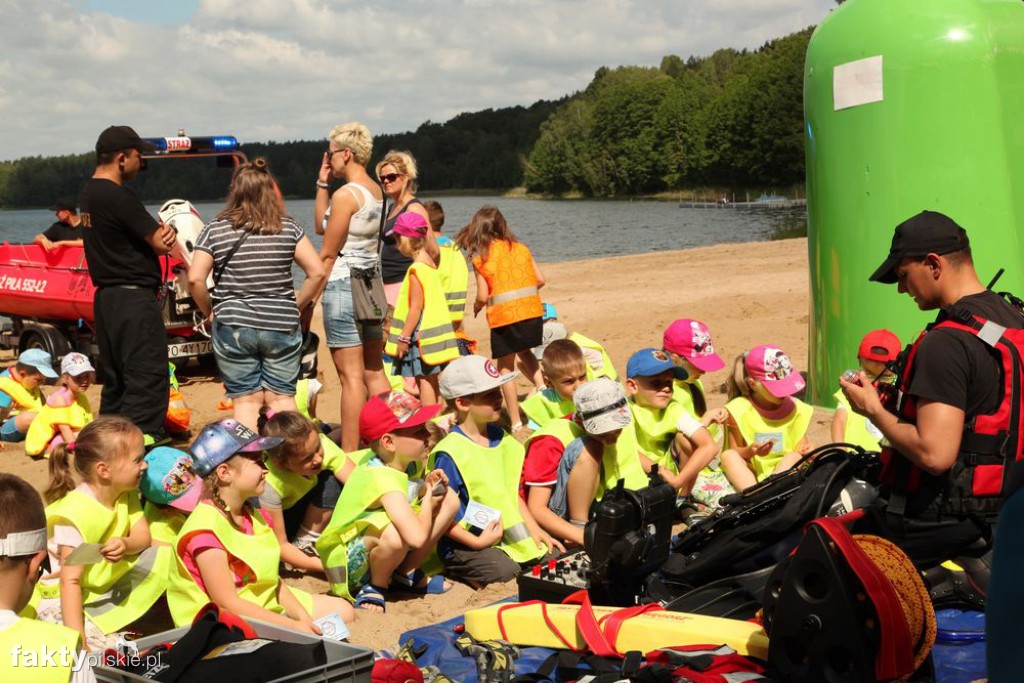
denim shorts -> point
(250, 359)
(9, 431)
(340, 324)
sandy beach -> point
(747, 294)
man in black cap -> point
(944, 439)
(122, 245)
(66, 231)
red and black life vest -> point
(990, 442)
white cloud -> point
(291, 69)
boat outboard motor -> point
(186, 221)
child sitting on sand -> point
(668, 436)
(767, 426)
(304, 479)
(497, 536)
(67, 409)
(598, 362)
(877, 349)
(171, 488)
(689, 345)
(421, 340)
(563, 369)
(386, 524)
(21, 398)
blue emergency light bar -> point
(186, 144)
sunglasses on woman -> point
(390, 177)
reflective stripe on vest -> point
(546, 405)
(436, 336)
(755, 428)
(260, 551)
(511, 283)
(114, 594)
(353, 515)
(491, 476)
(21, 652)
(454, 275)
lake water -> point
(555, 230)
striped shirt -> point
(256, 287)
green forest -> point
(731, 120)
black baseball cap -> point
(65, 204)
(929, 232)
(116, 138)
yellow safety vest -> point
(453, 271)
(353, 516)
(622, 461)
(291, 486)
(546, 405)
(607, 369)
(491, 476)
(860, 431)
(164, 524)
(260, 551)
(396, 381)
(114, 594)
(656, 431)
(22, 399)
(436, 336)
(45, 424)
(562, 429)
(32, 636)
(683, 393)
(786, 433)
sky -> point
(280, 70)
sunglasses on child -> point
(390, 177)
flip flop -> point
(409, 583)
(371, 595)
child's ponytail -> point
(736, 383)
(62, 481)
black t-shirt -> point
(957, 368)
(394, 263)
(62, 232)
(115, 226)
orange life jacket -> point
(512, 283)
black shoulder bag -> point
(368, 300)
(217, 272)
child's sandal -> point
(370, 595)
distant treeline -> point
(731, 120)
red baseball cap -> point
(393, 410)
(691, 339)
(770, 366)
(880, 345)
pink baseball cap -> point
(411, 225)
(771, 366)
(691, 339)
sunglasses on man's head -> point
(390, 177)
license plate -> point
(189, 349)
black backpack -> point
(760, 526)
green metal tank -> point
(909, 105)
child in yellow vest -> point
(688, 343)
(767, 425)
(22, 560)
(667, 434)
(495, 535)
(877, 349)
(304, 479)
(388, 520)
(109, 572)
(451, 267)
(21, 398)
(227, 552)
(171, 489)
(421, 340)
(563, 369)
(598, 362)
(67, 409)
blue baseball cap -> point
(170, 479)
(650, 362)
(550, 312)
(220, 441)
(40, 360)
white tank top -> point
(360, 249)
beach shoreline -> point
(747, 293)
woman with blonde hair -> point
(350, 221)
(249, 248)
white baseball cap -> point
(75, 364)
(601, 406)
(552, 331)
(468, 375)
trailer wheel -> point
(45, 337)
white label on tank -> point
(857, 83)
